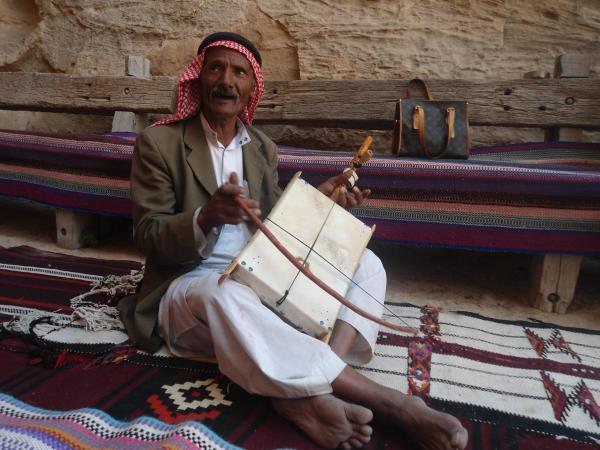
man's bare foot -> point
(327, 420)
(430, 429)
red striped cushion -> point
(532, 197)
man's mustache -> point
(221, 92)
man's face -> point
(226, 83)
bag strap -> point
(397, 130)
(422, 86)
(419, 124)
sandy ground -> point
(493, 284)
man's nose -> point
(226, 77)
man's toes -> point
(362, 433)
(351, 443)
(355, 443)
(460, 439)
(358, 414)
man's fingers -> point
(341, 179)
(346, 177)
(232, 186)
(351, 200)
(342, 199)
(358, 195)
(252, 205)
(230, 189)
(233, 178)
(222, 208)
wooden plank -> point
(542, 103)
(554, 278)
(100, 95)
(526, 102)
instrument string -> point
(336, 269)
(310, 250)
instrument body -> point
(324, 237)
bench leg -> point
(75, 229)
(553, 281)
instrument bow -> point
(363, 154)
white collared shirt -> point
(219, 247)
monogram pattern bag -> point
(430, 128)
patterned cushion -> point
(533, 197)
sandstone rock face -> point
(301, 39)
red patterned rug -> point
(514, 384)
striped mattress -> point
(534, 197)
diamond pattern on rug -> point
(557, 397)
(584, 397)
(537, 343)
(419, 368)
(559, 342)
(208, 390)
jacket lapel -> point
(199, 157)
(255, 165)
(201, 163)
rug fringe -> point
(22, 324)
(98, 317)
(88, 313)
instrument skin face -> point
(324, 237)
(328, 243)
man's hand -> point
(222, 208)
(345, 198)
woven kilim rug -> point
(513, 384)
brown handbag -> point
(431, 128)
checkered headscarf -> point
(188, 90)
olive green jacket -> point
(171, 176)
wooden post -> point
(137, 66)
(554, 276)
(76, 229)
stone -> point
(304, 39)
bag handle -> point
(422, 86)
(397, 130)
(419, 124)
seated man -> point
(186, 172)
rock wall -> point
(299, 39)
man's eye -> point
(241, 72)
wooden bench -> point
(561, 106)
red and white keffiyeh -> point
(188, 90)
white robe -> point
(199, 318)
